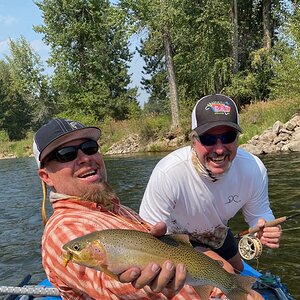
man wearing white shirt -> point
(197, 189)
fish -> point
(113, 251)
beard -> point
(100, 193)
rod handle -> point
(268, 224)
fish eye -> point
(76, 247)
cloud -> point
(4, 47)
(7, 20)
(39, 46)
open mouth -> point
(67, 256)
(218, 159)
(87, 174)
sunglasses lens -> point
(89, 147)
(228, 137)
(208, 140)
(66, 154)
(211, 139)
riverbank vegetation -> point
(254, 119)
(248, 50)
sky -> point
(17, 18)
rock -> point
(277, 126)
(293, 146)
(130, 144)
(256, 150)
(280, 138)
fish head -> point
(83, 252)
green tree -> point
(217, 46)
(14, 109)
(157, 17)
(201, 45)
(29, 80)
(90, 57)
(286, 81)
(155, 80)
(25, 91)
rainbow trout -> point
(113, 251)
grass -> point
(254, 119)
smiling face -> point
(216, 158)
(77, 176)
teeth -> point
(218, 159)
(88, 174)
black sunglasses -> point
(211, 139)
(69, 153)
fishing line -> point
(44, 213)
(291, 229)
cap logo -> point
(74, 125)
(219, 107)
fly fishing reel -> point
(250, 247)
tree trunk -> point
(235, 36)
(172, 80)
(267, 24)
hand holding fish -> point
(116, 250)
(154, 276)
(269, 236)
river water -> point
(21, 223)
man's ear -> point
(44, 176)
(193, 135)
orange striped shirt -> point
(73, 218)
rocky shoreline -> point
(280, 138)
(132, 144)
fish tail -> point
(242, 287)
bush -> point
(255, 118)
(154, 128)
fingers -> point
(170, 277)
(179, 279)
(261, 223)
(148, 274)
(129, 275)
(159, 229)
(270, 236)
(156, 278)
(166, 275)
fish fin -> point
(175, 239)
(203, 291)
(219, 262)
(243, 285)
(109, 273)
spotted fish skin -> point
(115, 250)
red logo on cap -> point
(218, 107)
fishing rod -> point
(249, 246)
(275, 222)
